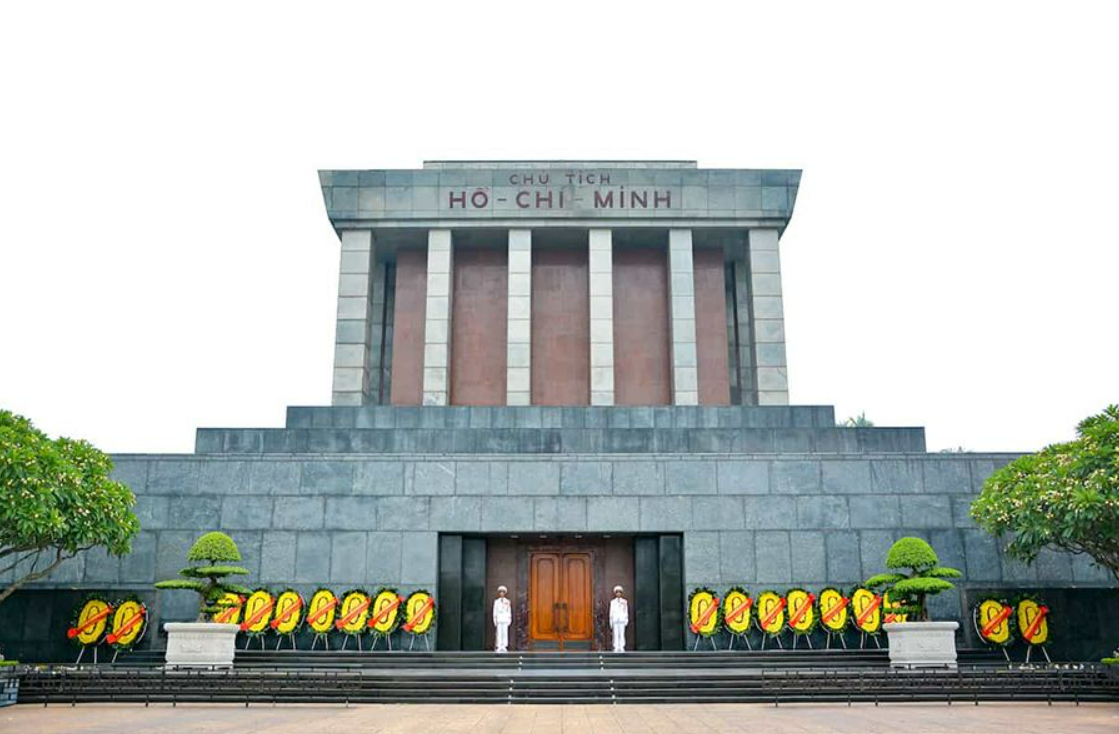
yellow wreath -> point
(288, 614)
(354, 612)
(1029, 624)
(419, 613)
(833, 609)
(737, 607)
(866, 608)
(258, 612)
(771, 612)
(321, 611)
(90, 623)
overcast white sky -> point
(166, 261)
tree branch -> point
(59, 557)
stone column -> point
(518, 364)
(352, 347)
(681, 289)
(601, 268)
(768, 311)
(437, 318)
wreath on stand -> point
(834, 610)
(130, 622)
(353, 612)
(994, 621)
(288, 617)
(737, 608)
(866, 611)
(257, 612)
(704, 613)
(1032, 617)
(89, 621)
(385, 613)
(801, 610)
(771, 613)
(419, 613)
(321, 611)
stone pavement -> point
(563, 719)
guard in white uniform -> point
(502, 618)
(619, 619)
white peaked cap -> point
(618, 588)
(502, 588)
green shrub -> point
(212, 552)
(915, 576)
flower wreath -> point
(130, 622)
(801, 618)
(733, 602)
(423, 624)
(257, 612)
(701, 621)
(321, 622)
(353, 612)
(383, 623)
(89, 620)
(832, 602)
(289, 613)
(770, 612)
(866, 611)
(994, 621)
(1027, 608)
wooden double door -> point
(560, 602)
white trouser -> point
(619, 636)
(502, 638)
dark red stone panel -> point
(561, 340)
(711, 326)
(409, 310)
(642, 357)
(478, 314)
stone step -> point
(559, 440)
(665, 416)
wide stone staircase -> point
(771, 677)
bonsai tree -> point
(212, 553)
(916, 574)
(1065, 497)
(56, 501)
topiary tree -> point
(212, 552)
(925, 577)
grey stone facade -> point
(807, 507)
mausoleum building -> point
(561, 377)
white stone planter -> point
(200, 644)
(922, 644)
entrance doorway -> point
(560, 600)
(560, 586)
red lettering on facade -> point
(460, 199)
(666, 197)
(479, 199)
(522, 199)
(603, 202)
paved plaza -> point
(557, 719)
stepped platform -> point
(743, 677)
(548, 430)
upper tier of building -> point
(490, 193)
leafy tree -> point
(1065, 497)
(860, 421)
(925, 577)
(56, 501)
(212, 552)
